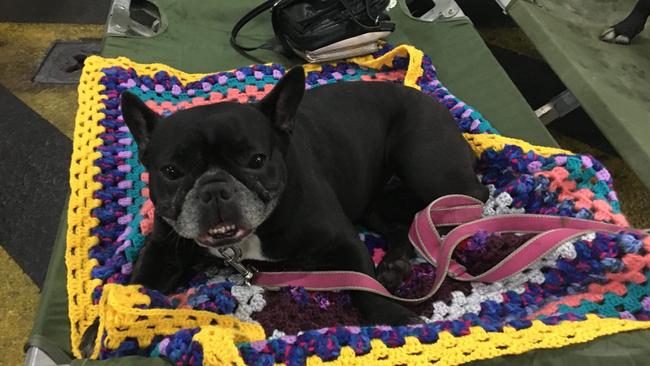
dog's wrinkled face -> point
(216, 172)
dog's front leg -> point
(352, 255)
(160, 266)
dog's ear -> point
(139, 118)
(281, 104)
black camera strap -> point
(269, 4)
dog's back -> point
(367, 125)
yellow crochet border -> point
(481, 345)
(120, 319)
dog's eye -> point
(257, 161)
(171, 172)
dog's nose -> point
(215, 191)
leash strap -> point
(465, 213)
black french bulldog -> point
(286, 179)
(630, 27)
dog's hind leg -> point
(630, 27)
(431, 159)
(428, 153)
(390, 217)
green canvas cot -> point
(610, 81)
(195, 39)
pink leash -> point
(453, 210)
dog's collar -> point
(232, 257)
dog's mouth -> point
(222, 234)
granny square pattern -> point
(592, 286)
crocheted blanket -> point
(589, 287)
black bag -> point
(323, 30)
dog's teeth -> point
(222, 229)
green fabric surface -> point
(612, 82)
(196, 40)
(51, 331)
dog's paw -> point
(610, 35)
(625, 31)
(391, 273)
